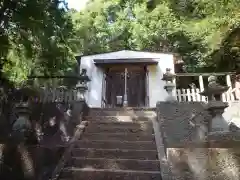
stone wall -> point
(192, 163)
(182, 121)
(190, 155)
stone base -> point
(204, 164)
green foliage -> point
(196, 29)
(34, 38)
(42, 37)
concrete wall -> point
(156, 85)
(94, 94)
(190, 156)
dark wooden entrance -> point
(136, 85)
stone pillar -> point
(169, 86)
(166, 167)
(215, 124)
(215, 106)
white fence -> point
(187, 95)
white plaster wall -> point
(94, 94)
(156, 85)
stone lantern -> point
(169, 86)
(81, 87)
(61, 90)
(215, 106)
(23, 112)
(79, 99)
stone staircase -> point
(116, 144)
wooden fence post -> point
(230, 96)
(201, 85)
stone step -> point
(122, 124)
(105, 174)
(106, 144)
(116, 164)
(119, 118)
(115, 153)
(117, 129)
(142, 136)
(122, 112)
(124, 109)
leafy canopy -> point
(34, 38)
(196, 29)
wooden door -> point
(114, 87)
(136, 85)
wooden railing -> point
(192, 94)
(57, 95)
(229, 96)
(188, 95)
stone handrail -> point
(67, 153)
